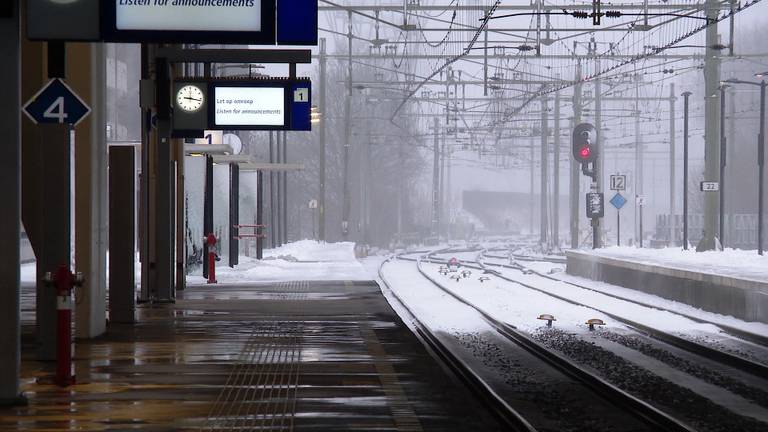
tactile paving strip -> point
(293, 291)
(260, 392)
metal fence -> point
(740, 230)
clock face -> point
(190, 98)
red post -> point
(64, 282)
(211, 240)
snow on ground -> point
(434, 308)
(372, 264)
(661, 320)
(557, 271)
(754, 327)
(305, 260)
(310, 250)
(609, 304)
(516, 305)
(544, 267)
(461, 256)
(736, 263)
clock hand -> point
(190, 98)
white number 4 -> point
(56, 111)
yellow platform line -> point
(403, 414)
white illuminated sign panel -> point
(189, 15)
(249, 106)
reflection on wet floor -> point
(288, 356)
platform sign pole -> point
(234, 214)
(618, 201)
(641, 227)
(260, 215)
(640, 202)
(55, 109)
(686, 106)
(55, 229)
(208, 203)
(164, 212)
(618, 184)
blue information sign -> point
(260, 104)
(296, 22)
(56, 103)
(618, 201)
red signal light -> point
(585, 152)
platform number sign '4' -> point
(56, 103)
(56, 111)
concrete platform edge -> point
(741, 298)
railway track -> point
(738, 362)
(732, 331)
(480, 387)
(653, 417)
(732, 360)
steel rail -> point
(645, 411)
(754, 368)
(732, 331)
(458, 367)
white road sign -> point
(710, 186)
(618, 182)
(165, 15)
(249, 106)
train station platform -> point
(304, 356)
(732, 282)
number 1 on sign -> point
(56, 111)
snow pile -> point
(306, 260)
(310, 250)
(731, 262)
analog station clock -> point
(190, 98)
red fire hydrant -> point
(65, 282)
(211, 240)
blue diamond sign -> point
(618, 201)
(56, 103)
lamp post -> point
(760, 152)
(686, 95)
(723, 153)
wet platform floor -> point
(304, 356)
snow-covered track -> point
(730, 330)
(737, 362)
(651, 415)
(498, 405)
(525, 258)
